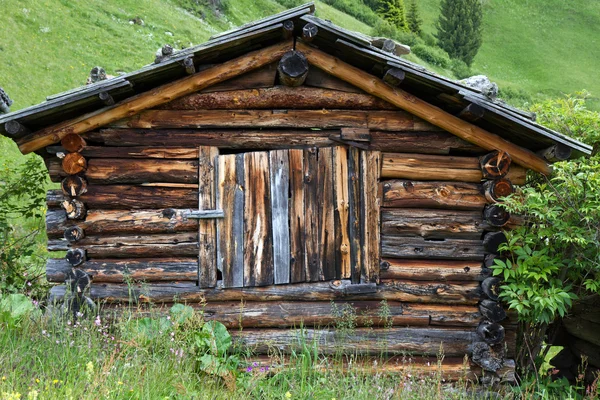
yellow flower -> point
(55, 381)
(37, 380)
(3, 378)
(288, 395)
(89, 367)
(32, 395)
(119, 383)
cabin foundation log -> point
(438, 271)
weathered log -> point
(73, 234)
(390, 46)
(421, 108)
(496, 189)
(416, 247)
(106, 98)
(416, 194)
(431, 292)
(491, 288)
(73, 185)
(341, 212)
(493, 240)
(15, 129)
(394, 77)
(418, 341)
(432, 167)
(495, 165)
(188, 64)
(78, 281)
(583, 329)
(484, 356)
(427, 270)
(309, 32)
(292, 69)
(133, 152)
(263, 77)
(75, 209)
(134, 246)
(433, 224)
(207, 228)
(492, 310)
(355, 134)
(73, 143)
(586, 349)
(495, 216)
(76, 257)
(119, 271)
(278, 97)
(355, 214)
(320, 119)
(288, 29)
(587, 308)
(557, 152)
(473, 112)
(490, 332)
(370, 170)
(321, 79)
(74, 163)
(102, 222)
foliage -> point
(22, 196)
(413, 18)
(14, 308)
(459, 28)
(355, 8)
(394, 12)
(460, 69)
(432, 55)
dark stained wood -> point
(493, 240)
(433, 270)
(188, 64)
(73, 234)
(73, 186)
(394, 77)
(491, 288)
(311, 219)
(355, 134)
(74, 209)
(129, 197)
(207, 228)
(416, 247)
(495, 215)
(321, 79)
(230, 229)
(355, 221)
(473, 112)
(279, 97)
(430, 292)
(326, 207)
(73, 143)
(106, 98)
(118, 271)
(485, 356)
(258, 245)
(557, 152)
(298, 266)
(321, 119)
(76, 257)
(292, 68)
(495, 165)
(342, 212)
(109, 222)
(74, 163)
(15, 129)
(370, 170)
(280, 185)
(288, 29)
(433, 224)
(432, 194)
(496, 189)
(491, 332)
(309, 32)
(492, 310)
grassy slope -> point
(542, 46)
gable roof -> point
(353, 48)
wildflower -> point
(249, 369)
(37, 380)
(97, 321)
(55, 381)
(3, 378)
(119, 383)
(89, 367)
(32, 395)
(288, 395)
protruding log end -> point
(97, 74)
(15, 129)
(495, 215)
(491, 288)
(76, 257)
(292, 68)
(490, 332)
(288, 29)
(74, 234)
(389, 46)
(73, 143)
(106, 98)
(74, 163)
(492, 241)
(557, 152)
(74, 186)
(472, 112)
(74, 208)
(485, 357)
(189, 66)
(492, 310)
(394, 77)
(78, 281)
(495, 165)
(495, 190)
(309, 32)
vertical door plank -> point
(311, 220)
(342, 212)
(230, 233)
(370, 168)
(280, 187)
(207, 228)
(354, 194)
(326, 213)
(258, 245)
(298, 270)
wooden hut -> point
(287, 169)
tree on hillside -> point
(413, 18)
(459, 28)
(394, 12)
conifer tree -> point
(413, 18)
(394, 12)
(459, 29)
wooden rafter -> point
(435, 115)
(154, 97)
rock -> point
(163, 53)
(483, 84)
(5, 102)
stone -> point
(483, 84)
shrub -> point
(432, 55)
(428, 38)
(460, 69)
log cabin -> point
(285, 170)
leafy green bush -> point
(428, 38)
(514, 95)
(460, 69)
(15, 308)
(432, 55)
